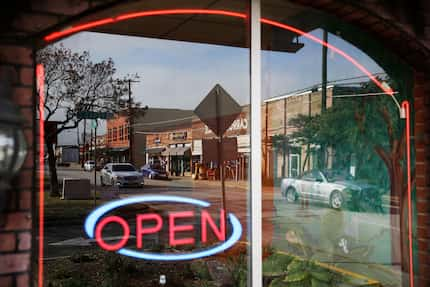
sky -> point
(176, 74)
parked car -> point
(154, 171)
(120, 174)
(89, 165)
(334, 188)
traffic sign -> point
(94, 115)
(218, 110)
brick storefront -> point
(403, 26)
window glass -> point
(177, 84)
(331, 109)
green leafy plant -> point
(239, 270)
(276, 265)
(306, 273)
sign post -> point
(94, 124)
(219, 120)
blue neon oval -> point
(95, 215)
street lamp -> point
(13, 147)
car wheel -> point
(291, 194)
(336, 200)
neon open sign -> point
(97, 221)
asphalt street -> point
(316, 226)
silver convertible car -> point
(120, 174)
(330, 187)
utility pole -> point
(84, 151)
(77, 141)
(130, 123)
(95, 160)
(324, 73)
(284, 145)
(324, 91)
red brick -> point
(420, 115)
(420, 169)
(18, 221)
(12, 263)
(26, 76)
(64, 7)
(9, 74)
(421, 181)
(28, 162)
(424, 281)
(6, 281)
(25, 199)
(7, 242)
(23, 96)
(423, 206)
(28, 134)
(27, 115)
(15, 55)
(22, 280)
(32, 22)
(25, 181)
(423, 232)
(24, 241)
(423, 219)
(423, 245)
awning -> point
(118, 149)
(155, 150)
(176, 151)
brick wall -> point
(16, 68)
(422, 150)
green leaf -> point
(276, 264)
(321, 276)
(278, 282)
(296, 277)
(296, 265)
(317, 283)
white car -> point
(89, 165)
(121, 175)
(330, 187)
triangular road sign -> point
(218, 110)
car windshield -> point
(123, 167)
(334, 175)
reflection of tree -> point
(370, 130)
(306, 132)
(74, 84)
(282, 143)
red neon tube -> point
(406, 107)
(40, 76)
(127, 16)
(60, 34)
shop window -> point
(114, 136)
(334, 209)
(333, 158)
(121, 133)
(178, 229)
(109, 135)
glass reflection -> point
(185, 147)
(334, 151)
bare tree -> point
(75, 84)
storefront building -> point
(327, 102)
(117, 139)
